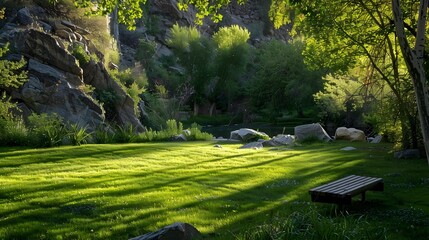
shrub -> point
(46, 130)
(12, 129)
(80, 54)
(102, 135)
(78, 135)
(125, 134)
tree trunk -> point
(115, 27)
(212, 108)
(414, 61)
(196, 108)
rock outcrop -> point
(56, 79)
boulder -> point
(279, 140)
(253, 145)
(407, 153)
(306, 131)
(351, 134)
(246, 135)
(175, 231)
(24, 16)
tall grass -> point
(313, 225)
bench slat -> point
(341, 191)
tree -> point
(231, 60)
(11, 74)
(351, 30)
(195, 53)
(282, 80)
(414, 58)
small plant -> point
(102, 135)
(81, 55)
(46, 130)
(78, 135)
(125, 134)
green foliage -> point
(46, 130)
(125, 134)
(108, 97)
(340, 94)
(145, 53)
(231, 60)
(196, 54)
(81, 55)
(11, 73)
(228, 37)
(159, 108)
(128, 10)
(282, 81)
(102, 135)
(132, 81)
(78, 135)
(174, 128)
(12, 129)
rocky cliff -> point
(56, 79)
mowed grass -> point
(122, 191)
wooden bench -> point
(342, 190)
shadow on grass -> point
(117, 204)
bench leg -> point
(363, 196)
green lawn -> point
(122, 191)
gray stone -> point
(407, 153)
(279, 140)
(179, 138)
(24, 16)
(176, 231)
(48, 91)
(377, 139)
(303, 132)
(351, 134)
(46, 48)
(246, 134)
(348, 148)
(252, 145)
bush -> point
(173, 129)
(125, 134)
(12, 129)
(78, 135)
(102, 136)
(46, 130)
(81, 55)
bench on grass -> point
(342, 190)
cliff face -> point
(56, 79)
